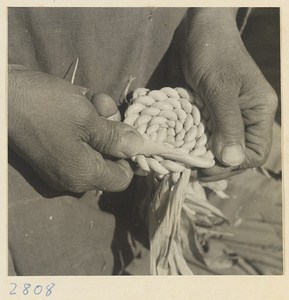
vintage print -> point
(144, 141)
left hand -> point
(241, 102)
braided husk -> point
(171, 117)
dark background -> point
(261, 37)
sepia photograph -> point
(144, 141)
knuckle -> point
(93, 172)
(265, 105)
(271, 101)
(264, 96)
(84, 112)
(105, 129)
(117, 176)
(263, 154)
(220, 79)
(77, 176)
(258, 155)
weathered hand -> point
(241, 102)
(58, 131)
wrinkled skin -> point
(58, 131)
(241, 102)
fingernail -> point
(233, 155)
(115, 117)
(131, 143)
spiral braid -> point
(171, 117)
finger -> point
(218, 172)
(105, 106)
(95, 172)
(108, 175)
(259, 112)
(112, 138)
(217, 169)
(221, 176)
(215, 173)
(228, 127)
(115, 176)
(125, 141)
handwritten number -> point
(38, 287)
(37, 291)
(26, 287)
(12, 292)
(49, 288)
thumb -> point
(109, 136)
(228, 126)
(115, 138)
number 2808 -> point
(27, 288)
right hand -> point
(58, 131)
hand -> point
(58, 131)
(241, 102)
